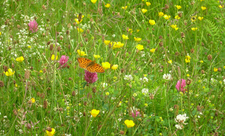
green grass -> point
(63, 99)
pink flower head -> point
(135, 114)
(90, 77)
(180, 86)
(63, 61)
(33, 26)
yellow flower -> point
(32, 100)
(106, 42)
(140, 47)
(137, 30)
(125, 37)
(200, 18)
(201, 61)
(137, 39)
(178, 7)
(53, 57)
(174, 27)
(177, 17)
(144, 10)
(129, 123)
(188, 75)
(221, 6)
(193, 18)
(81, 53)
(93, 1)
(148, 3)
(80, 30)
(107, 93)
(107, 5)
(16, 85)
(48, 133)
(124, 7)
(96, 56)
(203, 8)
(77, 20)
(187, 60)
(223, 67)
(0, 33)
(194, 28)
(187, 57)
(134, 94)
(166, 17)
(170, 61)
(215, 69)
(151, 22)
(20, 59)
(114, 67)
(161, 14)
(94, 112)
(106, 65)
(117, 45)
(152, 50)
(130, 30)
(29, 46)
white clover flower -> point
(144, 79)
(224, 81)
(128, 77)
(167, 76)
(144, 91)
(180, 119)
(178, 126)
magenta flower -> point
(63, 61)
(33, 26)
(180, 86)
(90, 77)
(135, 114)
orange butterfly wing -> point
(83, 62)
(95, 68)
(90, 66)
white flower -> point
(224, 81)
(113, 35)
(144, 91)
(104, 85)
(167, 76)
(144, 79)
(178, 126)
(181, 118)
(128, 77)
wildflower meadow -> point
(112, 67)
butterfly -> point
(90, 65)
(79, 17)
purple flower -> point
(90, 77)
(33, 26)
(180, 86)
(135, 114)
(63, 61)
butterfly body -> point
(90, 65)
(80, 17)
